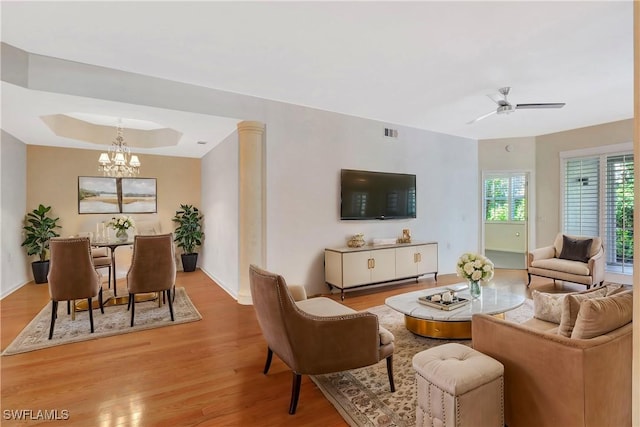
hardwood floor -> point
(203, 373)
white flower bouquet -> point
(121, 223)
(475, 267)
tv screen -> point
(377, 195)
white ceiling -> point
(422, 64)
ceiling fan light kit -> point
(505, 107)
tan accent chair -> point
(153, 269)
(315, 336)
(554, 380)
(546, 262)
(72, 276)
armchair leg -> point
(268, 364)
(100, 300)
(392, 386)
(133, 307)
(54, 311)
(529, 282)
(90, 312)
(295, 393)
(168, 291)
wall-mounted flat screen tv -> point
(377, 195)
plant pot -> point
(189, 262)
(40, 271)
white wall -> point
(305, 150)
(219, 255)
(14, 265)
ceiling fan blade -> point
(484, 116)
(543, 105)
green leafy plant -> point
(188, 234)
(39, 228)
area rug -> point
(362, 395)
(114, 321)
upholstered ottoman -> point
(458, 387)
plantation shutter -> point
(619, 211)
(581, 215)
(517, 200)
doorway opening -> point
(505, 218)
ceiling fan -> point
(505, 107)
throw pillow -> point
(599, 316)
(571, 306)
(575, 250)
(547, 306)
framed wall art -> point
(98, 195)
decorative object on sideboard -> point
(118, 161)
(356, 241)
(188, 235)
(475, 268)
(406, 236)
(38, 229)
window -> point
(598, 201)
(504, 197)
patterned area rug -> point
(114, 321)
(362, 395)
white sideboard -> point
(346, 268)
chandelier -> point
(119, 161)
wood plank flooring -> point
(206, 373)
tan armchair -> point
(554, 380)
(315, 336)
(153, 269)
(72, 276)
(550, 261)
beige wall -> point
(52, 179)
(548, 149)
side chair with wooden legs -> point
(72, 276)
(153, 269)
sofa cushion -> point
(575, 249)
(563, 265)
(599, 316)
(571, 306)
(547, 307)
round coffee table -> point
(435, 323)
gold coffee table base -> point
(110, 302)
(459, 330)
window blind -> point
(582, 198)
(619, 212)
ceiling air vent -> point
(390, 133)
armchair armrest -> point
(596, 266)
(334, 343)
(298, 292)
(541, 253)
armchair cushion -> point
(326, 307)
(563, 265)
(575, 249)
(599, 316)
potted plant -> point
(39, 228)
(188, 234)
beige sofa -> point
(557, 380)
(549, 261)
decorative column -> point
(251, 203)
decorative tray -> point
(456, 302)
